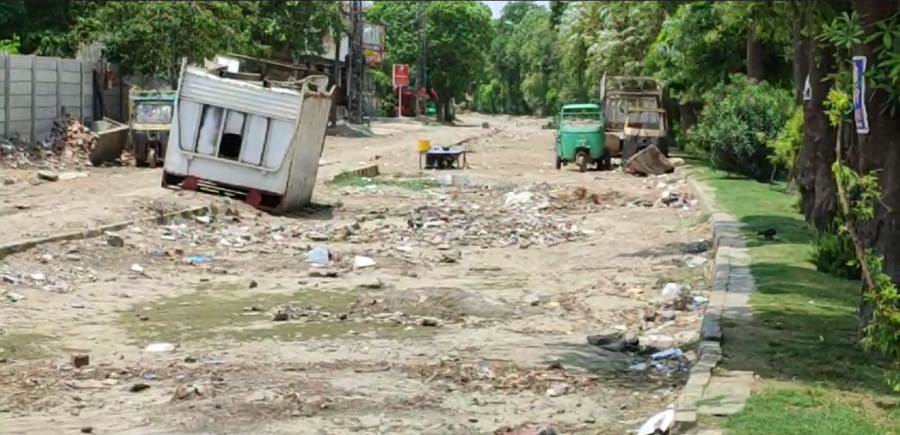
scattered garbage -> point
(319, 256)
(672, 291)
(197, 259)
(160, 347)
(560, 389)
(360, 262)
(659, 424)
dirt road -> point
(519, 297)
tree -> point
(457, 32)
(45, 28)
(297, 27)
(151, 38)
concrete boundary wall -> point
(37, 89)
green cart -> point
(580, 137)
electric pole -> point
(357, 68)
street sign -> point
(401, 76)
(860, 115)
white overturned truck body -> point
(242, 138)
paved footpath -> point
(711, 392)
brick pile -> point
(69, 145)
(71, 138)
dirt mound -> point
(447, 303)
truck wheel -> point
(558, 162)
(581, 161)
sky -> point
(497, 6)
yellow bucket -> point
(424, 145)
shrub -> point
(833, 254)
(785, 148)
(739, 119)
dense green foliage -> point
(150, 38)
(739, 119)
(457, 33)
(833, 254)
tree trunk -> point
(688, 116)
(800, 43)
(448, 114)
(755, 59)
(814, 177)
(878, 152)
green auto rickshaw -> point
(151, 119)
(580, 137)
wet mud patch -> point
(218, 311)
(19, 346)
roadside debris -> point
(649, 161)
(69, 145)
(659, 424)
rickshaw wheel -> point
(581, 161)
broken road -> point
(503, 298)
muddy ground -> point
(506, 297)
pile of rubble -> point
(69, 144)
(72, 138)
(519, 222)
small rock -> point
(361, 262)
(80, 360)
(48, 176)
(14, 297)
(138, 387)
(430, 322)
(451, 256)
(87, 429)
(317, 237)
(9, 181)
(253, 284)
(694, 261)
(323, 273)
(532, 300)
(696, 247)
(666, 315)
(604, 338)
(368, 283)
(560, 389)
(65, 176)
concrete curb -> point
(728, 265)
(26, 244)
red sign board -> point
(401, 76)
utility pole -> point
(357, 68)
